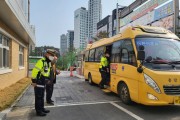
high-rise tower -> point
(80, 28)
(94, 16)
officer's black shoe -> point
(46, 111)
(101, 86)
(50, 103)
(41, 114)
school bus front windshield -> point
(160, 53)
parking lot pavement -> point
(99, 111)
(67, 90)
(170, 112)
(75, 99)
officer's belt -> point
(40, 86)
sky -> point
(53, 18)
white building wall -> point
(23, 4)
(16, 5)
(80, 28)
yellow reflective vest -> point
(41, 67)
(104, 62)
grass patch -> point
(9, 94)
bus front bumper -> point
(148, 96)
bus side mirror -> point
(141, 57)
(141, 53)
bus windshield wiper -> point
(174, 62)
(158, 61)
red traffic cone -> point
(71, 71)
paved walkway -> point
(68, 90)
(75, 99)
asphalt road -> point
(75, 99)
(110, 111)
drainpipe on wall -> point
(29, 11)
(28, 59)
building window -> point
(4, 52)
(21, 56)
(86, 55)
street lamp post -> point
(117, 21)
(117, 17)
(176, 16)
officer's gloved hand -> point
(58, 72)
(33, 82)
(48, 82)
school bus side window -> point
(91, 55)
(86, 55)
(127, 53)
(99, 53)
(116, 51)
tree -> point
(66, 60)
(100, 35)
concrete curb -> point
(2, 116)
(4, 113)
(79, 76)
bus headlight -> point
(152, 97)
(151, 83)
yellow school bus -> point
(144, 65)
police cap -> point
(51, 51)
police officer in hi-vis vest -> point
(104, 70)
(52, 81)
(41, 73)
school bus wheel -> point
(90, 79)
(123, 92)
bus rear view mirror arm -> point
(141, 57)
(140, 69)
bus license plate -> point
(177, 100)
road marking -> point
(80, 103)
(93, 103)
(126, 111)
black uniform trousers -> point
(50, 86)
(104, 78)
(49, 92)
(39, 99)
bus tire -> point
(124, 94)
(85, 79)
(90, 79)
